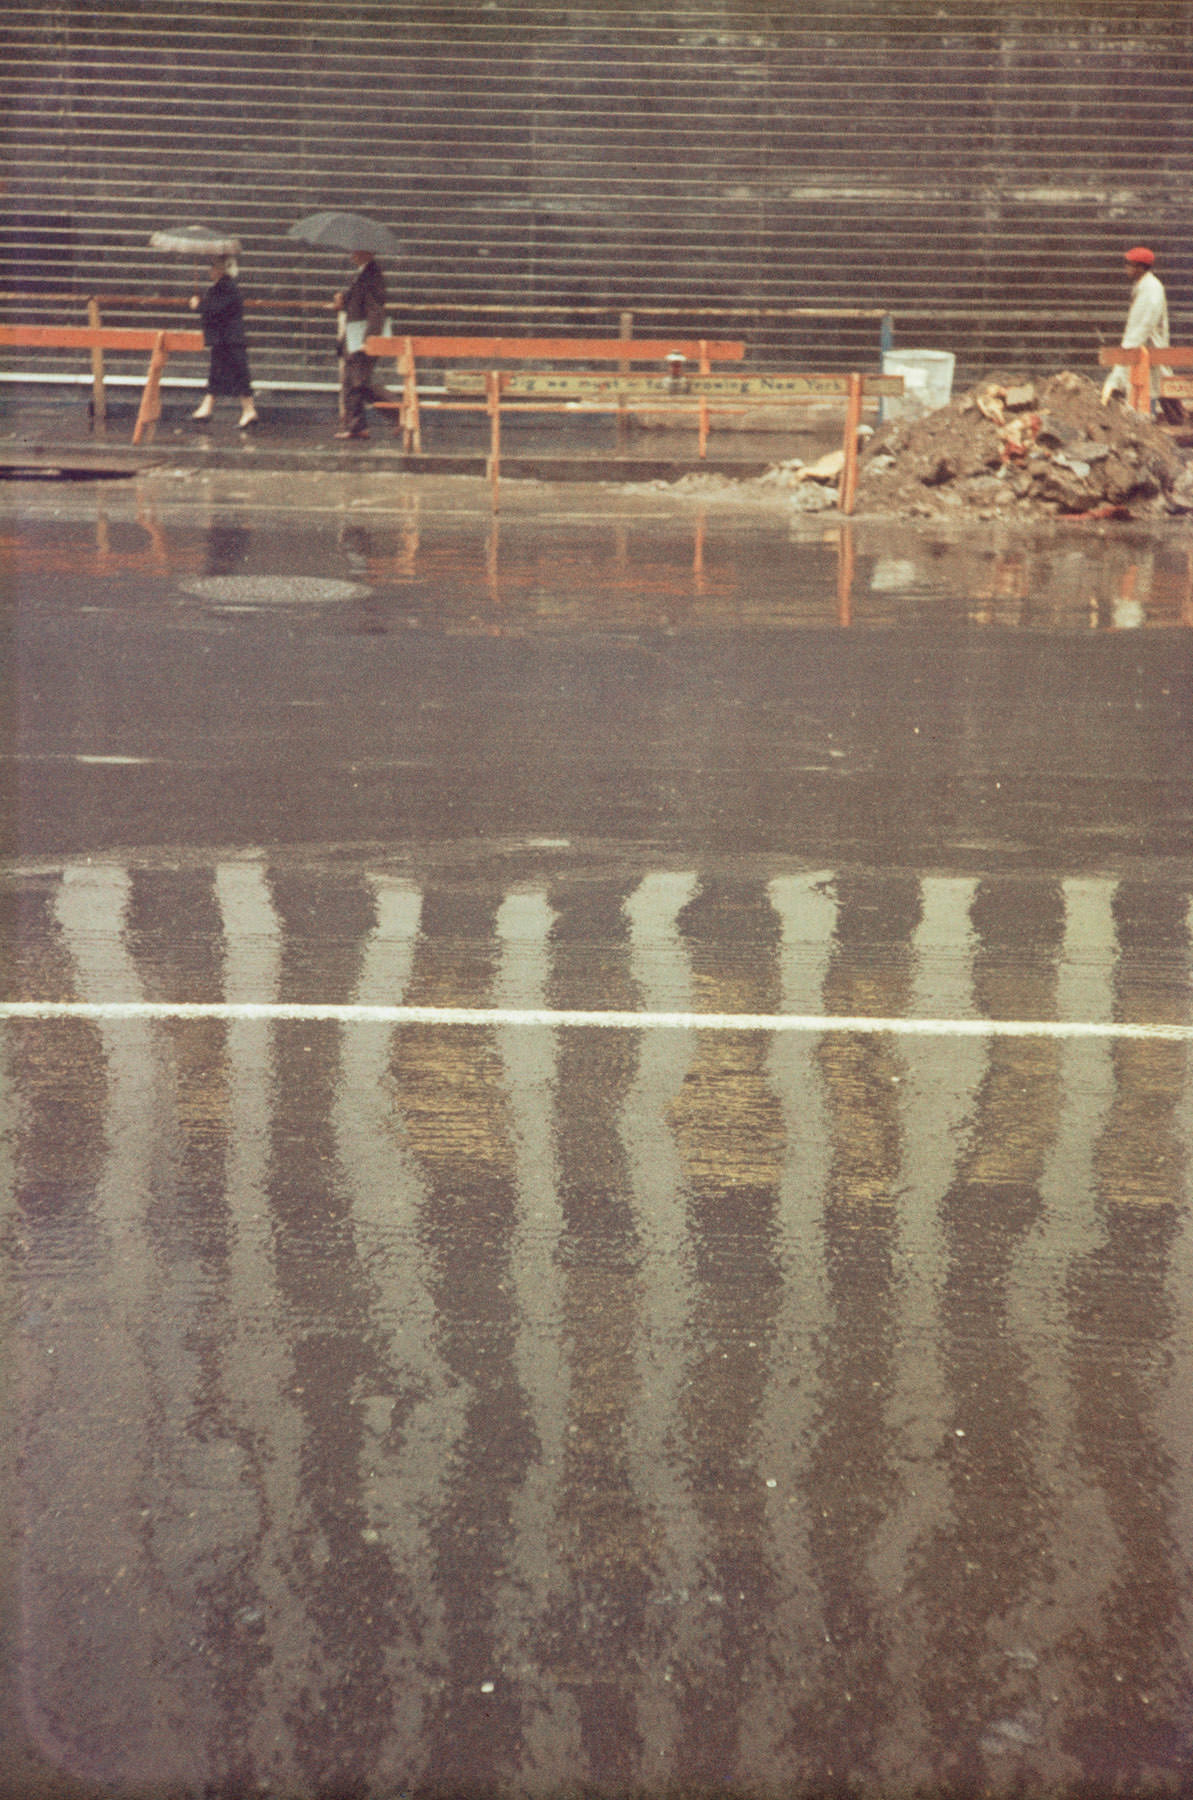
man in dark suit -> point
(363, 306)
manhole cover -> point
(271, 590)
(17, 469)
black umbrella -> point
(343, 231)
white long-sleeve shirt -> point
(1147, 323)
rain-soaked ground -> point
(443, 1365)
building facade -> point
(733, 167)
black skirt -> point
(229, 371)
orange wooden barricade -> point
(490, 350)
(160, 345)
(1138, 363)
(496, 387)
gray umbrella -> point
(195, 240)
(344, 231)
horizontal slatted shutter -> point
(727, 170)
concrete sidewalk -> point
(55, 436)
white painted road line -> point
(115, 1011)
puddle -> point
(431, 554)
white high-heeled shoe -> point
(204, 410)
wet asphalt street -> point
(419, 1385)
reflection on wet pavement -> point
(683, 566)
(518, 1408)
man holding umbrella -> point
(363, 306)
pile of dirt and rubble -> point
(1047, 446)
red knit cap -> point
(1140, 255)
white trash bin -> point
(927, 381)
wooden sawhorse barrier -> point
(1138, 364)
(698, 395)
(493, 350)
(161, 345)
(695, 395)
(483, 389)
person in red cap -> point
(1147, 323)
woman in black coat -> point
(222, 312)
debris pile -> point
(1048, 446)
(813, 487)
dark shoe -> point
(352, 434)
(243, 424)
